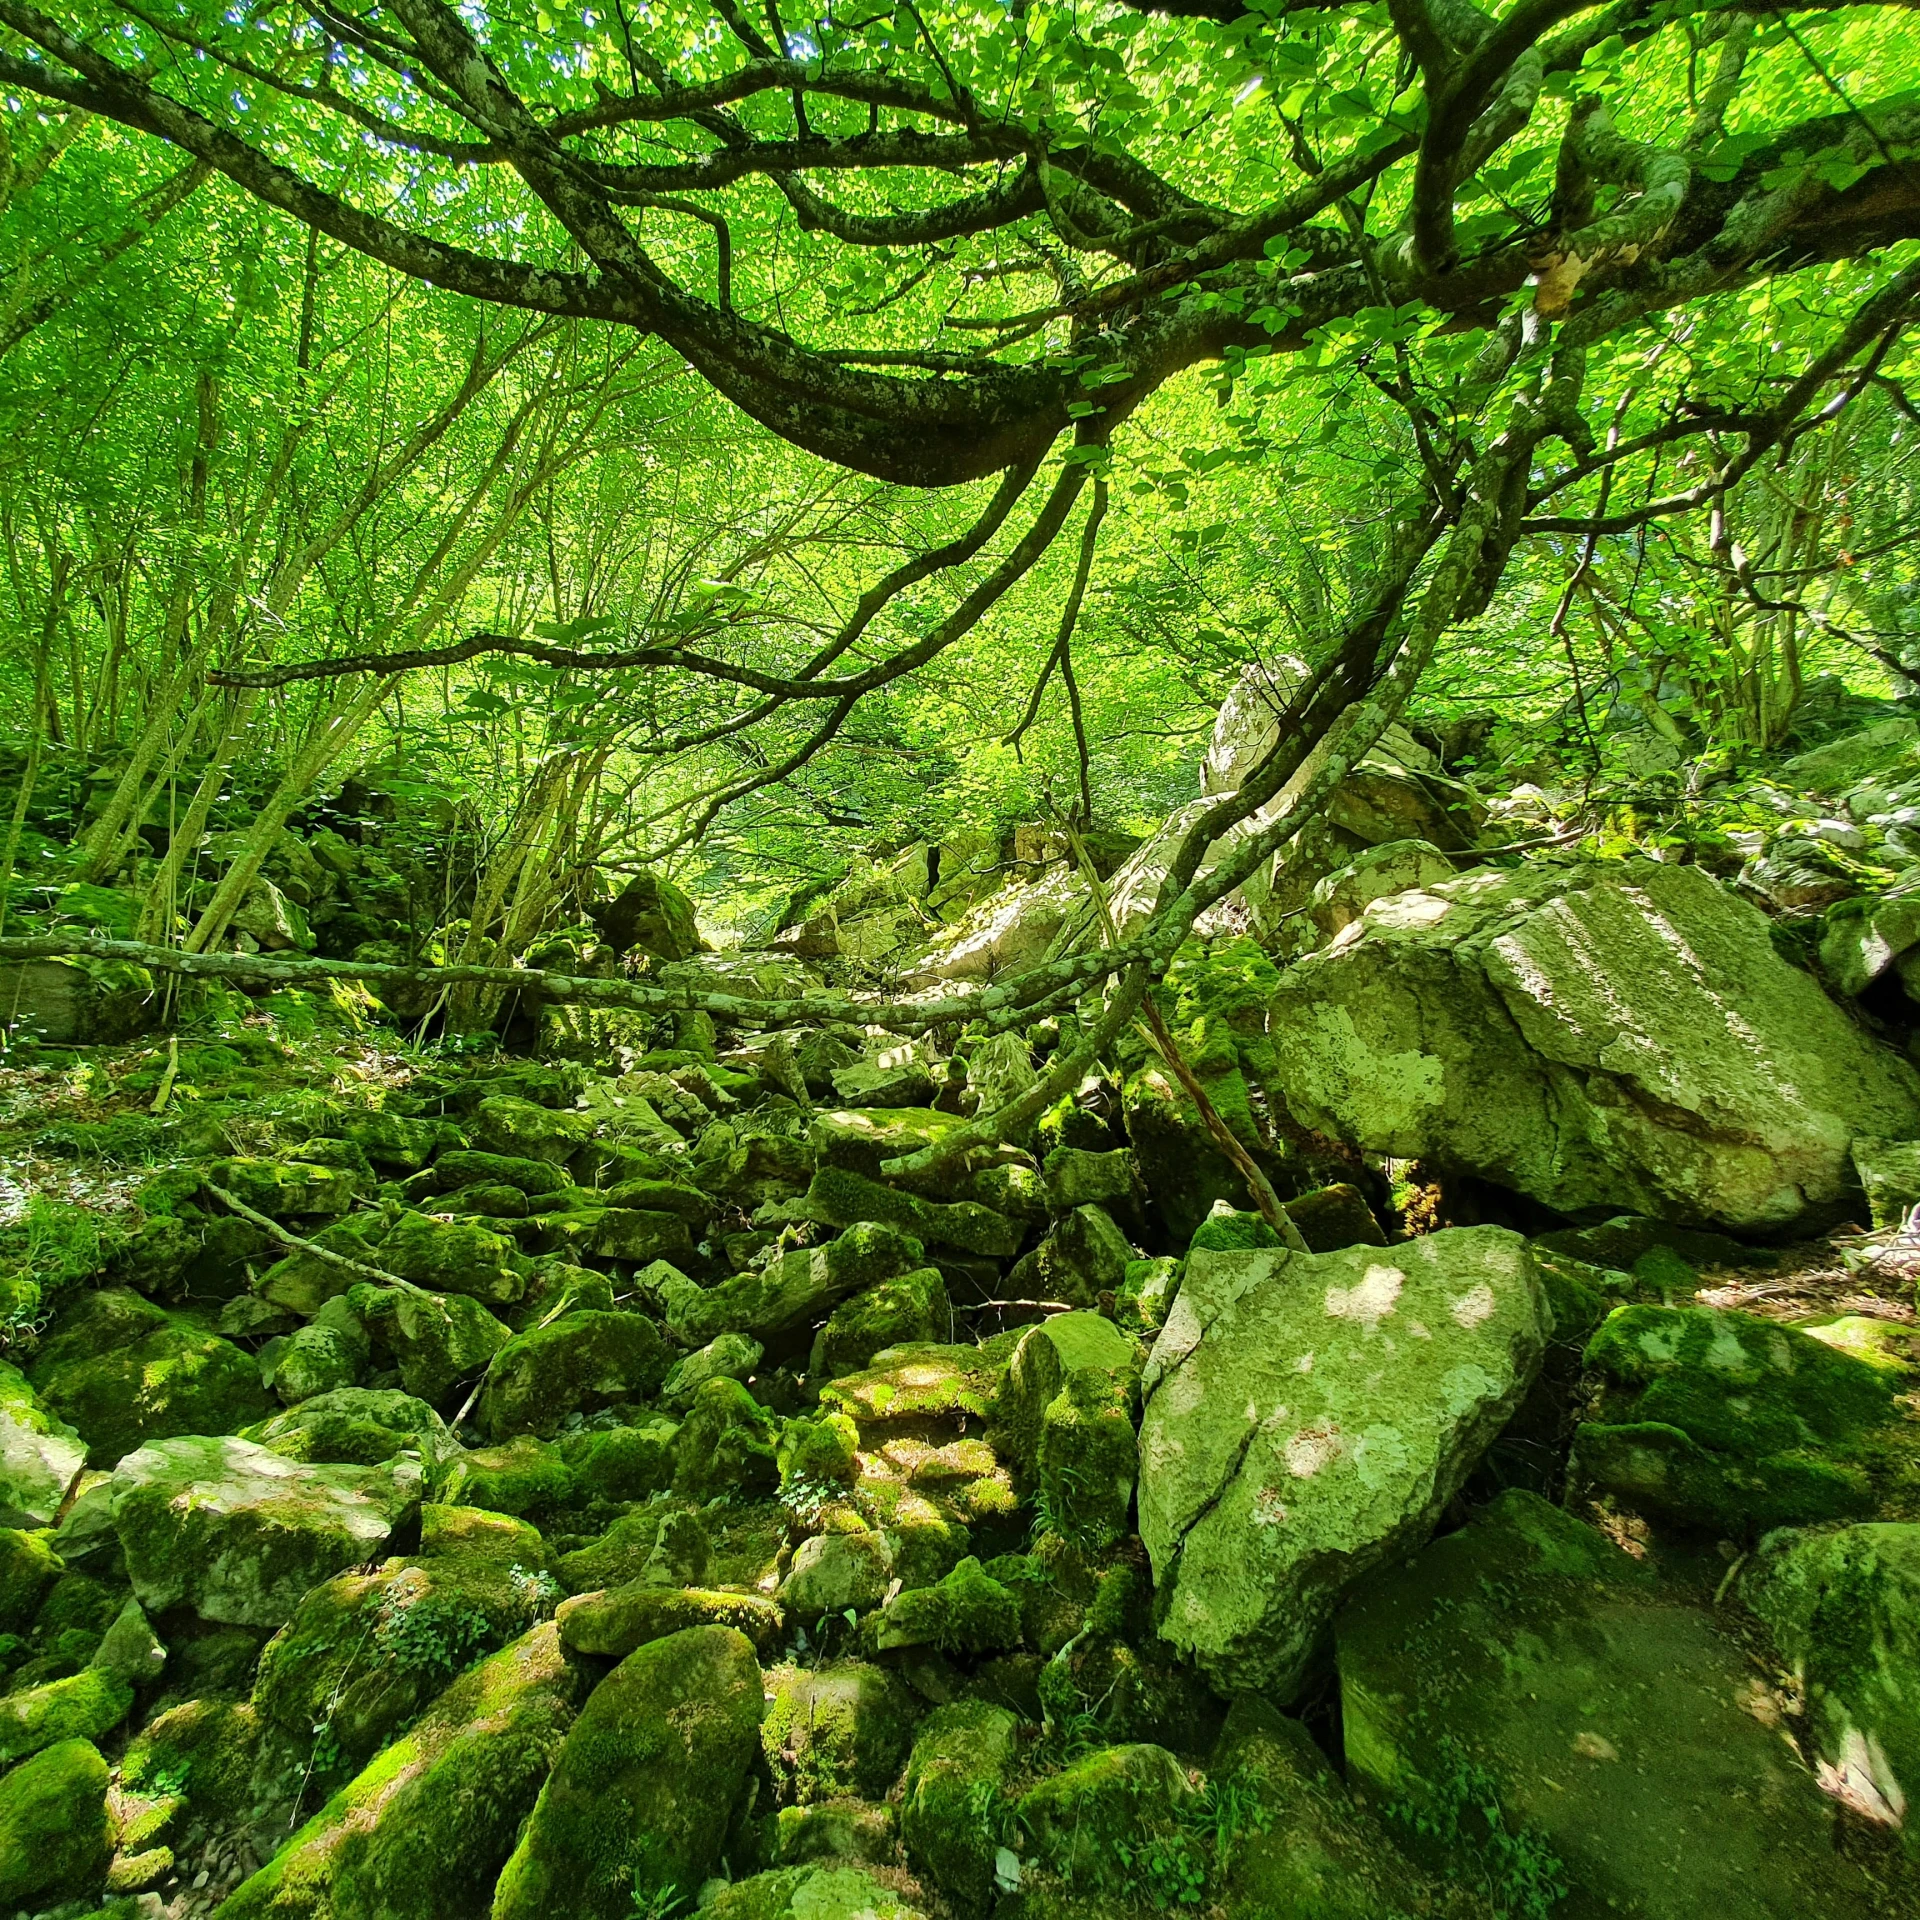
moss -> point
(454, 1256)
(644, 1790)
(893, 1313)
(842, 1729)
(83, 1706)
(524, 1477)
(616, 1464)
(840, 1197)
(667, 1543)
(521, 1130)
(612, 1624)
(28, 1567)
(465, 1167)
(1227, 1231)
(917, 1384)
(818, 1453)
(1333, 1217)
(286, 1189)
(576, 1364)
(55, 1836)
(360, 1426)
(953, 1817)
(1092, 1822)
(725, 1445)
(810, 1893)
(967, 1612)
(437, 1341)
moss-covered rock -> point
(910, 1387)
(832, 1572)
(839, 1197)
(1333, 1217)
(838, 1730)
(83, 1706)
(1083, 1257)
(55, 1835)
(667, 1544)
(796, 1290)
(239, 1533)
(468, 1167)
(1728, 1421)
(454, 1256)
(725, 1445)
(523, 1476)
(438, 1341)
(28, 1567)
(303, 1283)
(967, 1612)
(578, 1363)
(327, 1355)
(615, 1464)
(356, 1426)
(1065, 1415)
(423, 1832)
(287, 1189)
(644, 1790)
(836, 1830)
(1090, 1821)
(731, 1356)
(612, 1624)
(954, 1817)
(912, 1307)
(125, 1372)
(520, 1130)
(393, 1140)
(811, 1893)
(40, 1455)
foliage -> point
(1520, 1873)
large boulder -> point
(423, 1833)
(239, 1533)
(1524, 1671)
(1308, 1417)
(78, 1000)
(1844, 1607)
(795, 1291)
(643, 1793)
(1597, 1036)
(40, 1455)
(951, 1818)
(651, 913)
(55, 1834)
(576, 1364)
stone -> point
(967, 1612)
(843, 1729)
(303, 1282)
(28, 1567)
(239, 1533)
(424, 1831)
(1863, 939)
(438, 1341)
(668, 1545)
(576, 1364)
(835, 1830)
(1845, 1611)
(1086, 1255)
(1330, 1218)
(55, 1834)
(838, 1197)
(1072, 1177)
(1065, 1417)
(287, 1189)
(1309, 1417)
(725, 1445)
(616, 1464)
(392, 1140)
(1593, 1035)
(82, 1706)
(356, 1426)
(612, 1624)
(524, 1477)
(521, 1130)
(729, 1356)
(1524, 1663)
(1086, 1822)
(454, 1256)
(862, 1140)
(1731, 1422)
(328, 1355)
(130, 1650)
(1013, 929)
(40, 1455)
(125, 1372)
(651, 913)
(832, 1572)
(911, 1307)
(952, 1813)
(78, 1000)
(1889, 1173)
(1394, 866)
(645, 1788)
(795, 1291)
(469, 1167)
(810, 1893)
(640, 1234)
(868, 1084)
(1869, 752)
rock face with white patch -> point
(1624, 1036)
(1309, 1416)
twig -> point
(275, 1231)
(165, 1092)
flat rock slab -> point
(1527, 1658)
(1309, 1416)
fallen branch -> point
(275, 1231)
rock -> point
(1064, 1415)
(1798, 873)
(423, 1833)
(1735, 1423)
(454, 1256)
(28, 1567)
(612, 1624)
(55, 1836)
(467, 1167)
(1889, 1172)
(1526, 1664)
(1395, 866)
(392, 1140)
(1594, 1036)
(651, 913)
(303, 1282)
(78, 1001)
(356, 1426)
(622, 1463)
(834, 1571)
(239, 1534)
(863, 1140)
(576, 1364)
(669, 1547)
(810, 1893)
(40, 1455)
(125, 1372)
(83, 1706)
(1845, 1611)
(287, 1189)
(869, 1085)
(521, 1130)
(1330, 1218)
(1309, 1416)
(1887, 747)
(892, 1313)
(952, 1818)
(328, 1355)
(130, 1650)
(1011, 930)
(967, 1612)
(725, 1445)
(842, 1729)
(731, 1356)
(840, 1198)
(796, 1290)
(1073, 1177)
(1863, 939)
(1084, 1256)
(524, 1477)
(645, 1788)
(836, 1830)
(1087, 1822)
(438, 1341)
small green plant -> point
(1170, 1869)
(539, 1592)
(657, 1903)
(419, 1636)
(1221, 1812)
(806, 1500)
(1522, 1876)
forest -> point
(959, 961)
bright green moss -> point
(55, 1837)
